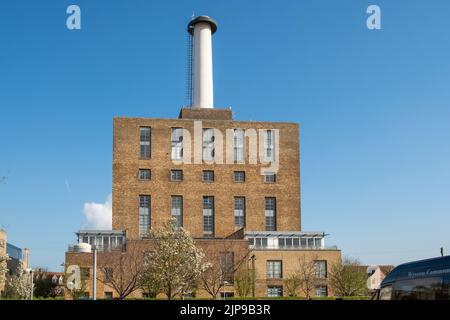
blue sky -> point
(373, 106)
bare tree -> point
(292, 284)
(122, 270)
(223, 259)
(244, 281)
(306, 273)
(348, 278)
(175, 262)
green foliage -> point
(244, 281)
(348, 278)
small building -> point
(48, 283)
(376, 275)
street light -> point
(30, 272)
(94, 273)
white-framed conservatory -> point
(104, 240)
(286, 240)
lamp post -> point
(30, 272)
(224, 283)
(253, 275)
(94, 272)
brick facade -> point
(127, 187)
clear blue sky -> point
(374, 108)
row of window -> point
(303, 242)
(208, 213)
(277, 291)
(208, 144)
(207, 175)
(272, 291)
(275, 269)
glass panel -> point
(239, 145)
(177, 210)
(208, 144)
(176, 175)
(177, 143)
(145, 141)
(208, 216)
(239, 211)
(239, 176)
(144, 215)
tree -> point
(175, 261)
(18, 285)
(244, 281)
(348, 278)
(3, 271)
(223, 260)
(122, 270)
(42, 286)
(292, 284)
(306, 273)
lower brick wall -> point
(290, 263)
(289, 258)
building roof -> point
(285, 234)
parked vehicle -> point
(420, 280)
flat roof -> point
(286, 233)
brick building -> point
(220, 179)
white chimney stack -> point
(201, 29)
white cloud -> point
(99, 215)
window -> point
(239, 212)
(177, 143)
(321, 291)
(208, 144)
(176, 175)
(261, 242)
(269, 145)
(227, 266)
(320, 268)
(145, 135)
(108, 274)
(270, 214)
(144, 215)
(303, 243)
(108, 295)
(208, 176)
(238, 145)
(318, 242)
(274, 291)
(239, 176)
(177, 210)
(208, 216)
(145, 174)
(274, 269)
(270, 178)
(85, 273)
